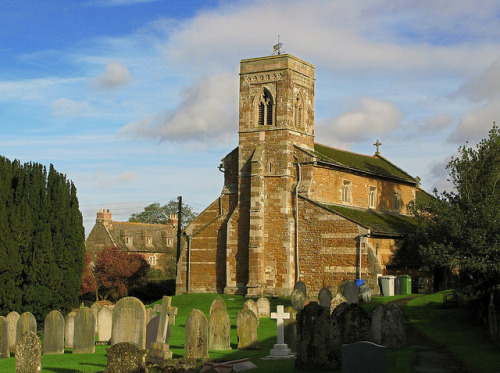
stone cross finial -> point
(280, 315)
(377, 144)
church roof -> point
(374, 165)
(379, 222)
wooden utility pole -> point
(179, 229)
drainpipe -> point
(299, 179)
(188, 263)
(360, 245)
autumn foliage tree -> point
(117, 272)
(88, 284)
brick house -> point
(291, 209)
(157, 243)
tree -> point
(117, 272)
(158, 214)
(460, 229)
(89, 284)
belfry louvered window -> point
(266, 109)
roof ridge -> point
(138, 223)
(393, 165)
(346, 151)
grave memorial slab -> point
(393, 331)
(246, 326)
(301, 286)
(376, 329)
(12, 318)
(84, 334)
(129, 322)
(196, 342)
(104, 324)
(325, 298)
(4, 338)
(217, 302)
(363, 357)
(125, 357)
(53, 334)
(351, 292)
(263, 307)
(28, 353)
(356, 324)
(219, 328)
(250, 304)
(26, 322)
(69, 329)
(337, 299)
(95, 307)
(297, 299)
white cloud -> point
(371, 118)
(115, 76)
(437, 123)
(485, 86)
(207, 113)
(64, 107)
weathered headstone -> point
(104, 324)
(263, 307)
(351, 292)
(12, 318)
(290, 326)
(219, 327)
(312, 332)
(95, 307)
(341, 285)
(129, 322)
(196, 343)
(157, 307)
(356, 324)
(28, 353)
(393, 327)
(280, 348)
(125, 357)
(376, 329)
(365, 293)
(26, 322)
(297, 299)
(69, 329)
(246, 326)
(301, 287)
(337, 299)
(152, 332)
(325, 298)
(363, 357)
(150, 313)
(159, 350)
(4, 338)
(53, 333)
(84, 335)
(250, 304)
(217, 302)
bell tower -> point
(276, 112)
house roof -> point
(379, 222)
(373, 165)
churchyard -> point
(449, 327)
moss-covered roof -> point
(379, 222)
(374, 165)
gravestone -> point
(104, 324)
(351, 292)
(280, 348)
(125, 357)
(159, 350)
(363, 357)
(219, 328)
(157, 307)
(297, 299)
(84, 334)
(171, 311)
(341, 285)
(129, 322)
(152, 332)
(69, 329)
(150, 313)
(196, 342)
(12, 318)
(355, 323)
(250, 304)
(53, 334)
(290, 326)
(376, 329)
(325, 298)
(4, 338)
(312, 333)
(246, 326)
(263, 307)
(337, 299)
(393, 327)
(365, 293)
(26, 322)
(28, 353)
(217, 302)
(95, 307)
(301, 287)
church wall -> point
(326, 186)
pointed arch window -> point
(299, 112)
(266, 109)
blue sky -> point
(136, 100)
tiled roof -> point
(379, 222)
(373, 165)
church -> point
(291, 209)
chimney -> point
(103, 216)
(172, 219)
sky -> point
(136, 101)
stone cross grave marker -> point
(104, 324)
(129, 322)
(12, 318)
(196, 344)
(219, 327)
(84, 335)
(280, 348)
(69, 329)
(171, 311)
(363, 357)
(28, 353)
(152, 329)
(26, 322)
(158, 334)
(53, 334)
(4, 338)
(246, 326)
(125, 357)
